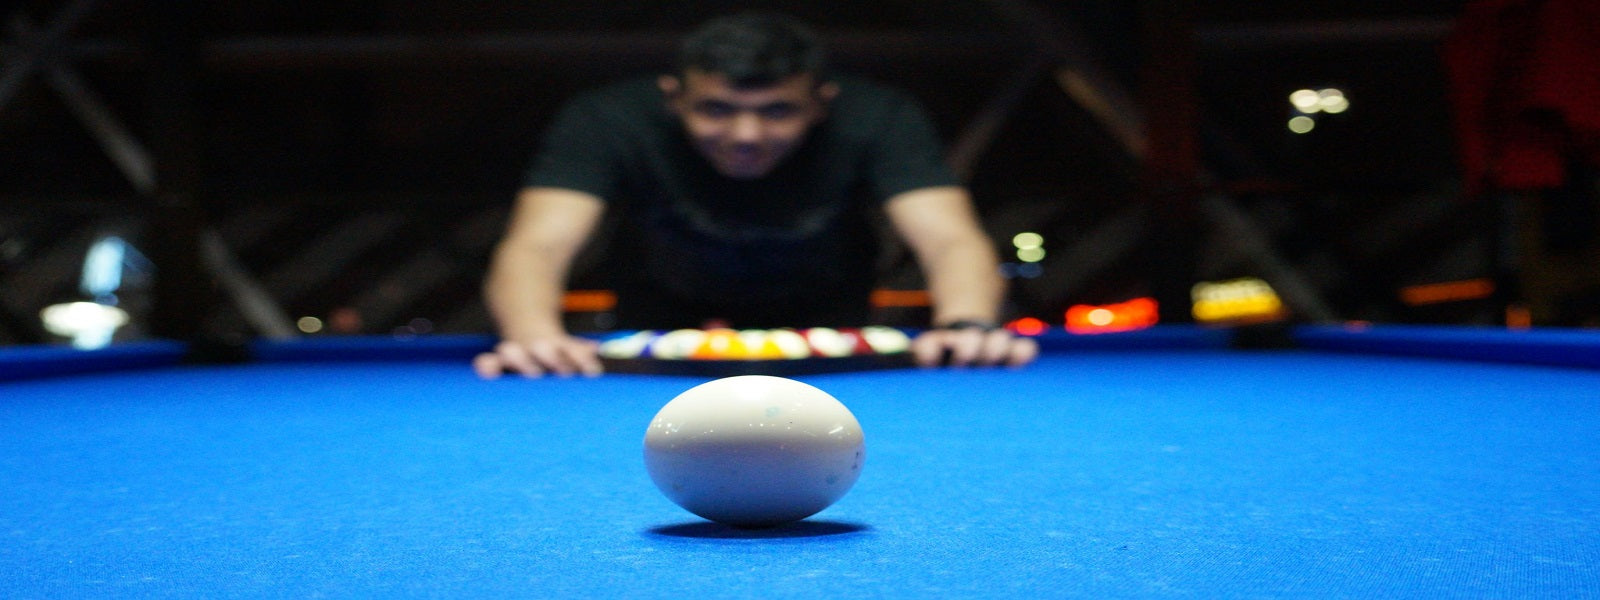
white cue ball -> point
(754, 450)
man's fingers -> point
(952, 347)
(1023, 351)
(928, 349)
(541, 357)
(965, 345)
(996, 347)
(487, 365)
(517, 358)
(584, 356)
(553, 357)
(973, 347)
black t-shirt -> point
(794, 248)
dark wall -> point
(316, 114)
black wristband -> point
(968, 324)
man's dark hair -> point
(753, 50)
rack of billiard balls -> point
(756, 351)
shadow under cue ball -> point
(754, 450)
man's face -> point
(746, 133)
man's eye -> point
(779, 111)
(714, 109)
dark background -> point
(357, 159)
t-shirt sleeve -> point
(907, 153)
(578, 152)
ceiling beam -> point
(534, 48)
(1352, 31)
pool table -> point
(1365, 462)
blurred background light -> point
(309, 324)
(90, 325)
(1027, 239)
(1306, 101)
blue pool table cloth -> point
(1179, 469)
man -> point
(745, 185)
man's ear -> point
(670, 86)
(671, 93)
(827, 92)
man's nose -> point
(747, 128)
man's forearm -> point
(528, 271)
(957, 259)
(523, 294)
(965, 283)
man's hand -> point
(562, 356)
(973, 346)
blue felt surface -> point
(1095, 475)
(27, 362)
(371, 347)
(1552, 346)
